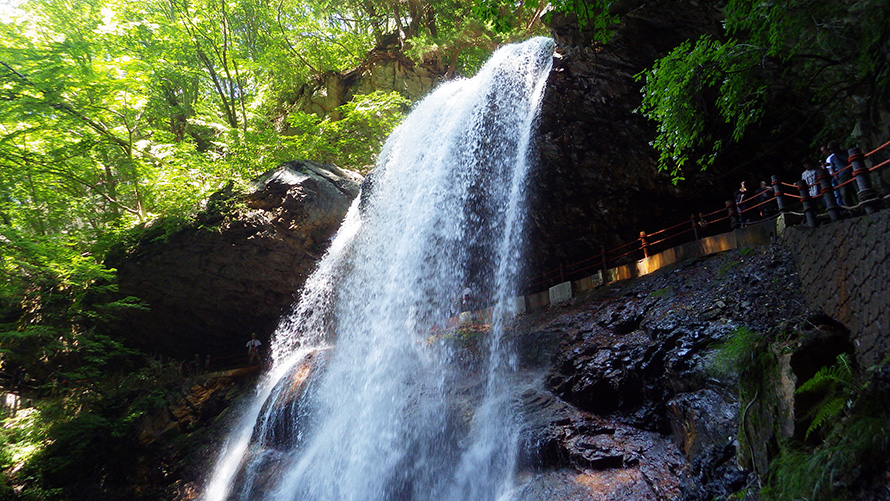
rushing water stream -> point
(365, 399)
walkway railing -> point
(780, 198)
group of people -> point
(199, 365)
(761, 199)
(836, 164)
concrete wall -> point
(761, 234)
(845, 272)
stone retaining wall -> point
(845, 271)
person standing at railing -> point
(253, 350)
(809, 177)
(832, 171)
(741, 203)
(765, 199)
(838, 161)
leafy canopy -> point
(784, 63)
(117, 112)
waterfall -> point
(374, 394)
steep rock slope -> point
(631, 404)
(596, 181)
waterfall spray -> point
(367, 399)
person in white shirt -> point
(253, 350)
(809, 177)
(838, 161)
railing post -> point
(867, 196)
(733, 214)
(644, 244)
(694, 226)
(809, 207)
(777, 193)
(827, 192)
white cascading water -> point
(391, 408)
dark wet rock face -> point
(283, 427)
(578, 455)
(629, 397)
(596, 181)
(210, 284)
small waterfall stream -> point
(371, 396)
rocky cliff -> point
(384, 69)
(596, 182)
(630, 391)
(208, 285)
(642, 390)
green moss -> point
(764, 412)
(736, 353)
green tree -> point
(782, 64)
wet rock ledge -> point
(628, 403)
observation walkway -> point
(790, 204)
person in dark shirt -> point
(741, 201)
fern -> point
(839, 373)
(828, 472)
(827, 410)
(839, 385)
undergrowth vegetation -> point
(84, 435)
(838, 443)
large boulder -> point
(210, 284)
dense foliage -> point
(780, 65)
(115, 113)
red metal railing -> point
(646, 246)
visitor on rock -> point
(253, 350)
(465, 299)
